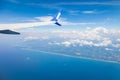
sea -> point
(20, 64)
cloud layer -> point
(98, 37)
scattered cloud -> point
(44, 18)
(37, 37)
(85, 43)
(66, 23)
(97, 37)
(30, 38)
(118, 40)
(117, 45)
(108, 49)
(88, 12)
(73, 12)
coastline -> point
(80, 57)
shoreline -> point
(115, 62)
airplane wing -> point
(7, 28)
(9, 32)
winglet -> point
(55, 18)
(58, 24)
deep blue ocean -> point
(29, 65)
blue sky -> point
(101, 12)
(93, 23)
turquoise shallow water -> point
(30, 65)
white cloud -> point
(99, 37)
(85, 42)
(88, 34)
(35, 36)
(30, 38)
(88, 12)
(73, 12)
(44, 18)
(116, 45)
(77, 23)
(105, 42)
(66, 43)
(65, 22)
(108, 49)
(118, 40)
